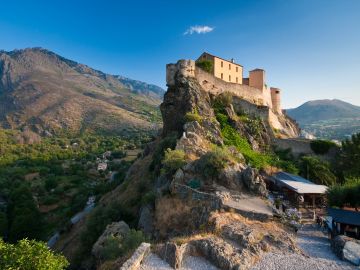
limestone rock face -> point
(146, 219)
(254, 181)
(118, 229)
(186, 95)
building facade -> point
(223, 69)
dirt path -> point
(315, 245)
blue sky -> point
(309, 48)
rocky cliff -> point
(199, 188)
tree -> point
(317, 170)
(345, 195)
(349, 159)
(30, 255)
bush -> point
(30, 255)
(132, 240)
(168, 142)
(173, 160)
(222, 101)
(148, 198)
(213, 162)
(205, 65)
(232, 137)
(346, 195)
(190, 117)
(321, 147)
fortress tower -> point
(276, 99)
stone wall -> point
(217, 86)
(137, 258)
(298, 146)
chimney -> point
(232, 60)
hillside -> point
(48, 94)
(332, 119)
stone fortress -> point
(254, 96)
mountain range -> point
(47, 93)
(330, 119)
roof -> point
(299, 184)
(221, 58)
(257, 69)
(345, 216)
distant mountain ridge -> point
(331, 119)
(324, 109)
(48, 93)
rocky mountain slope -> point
(47, 93)
(332, 119)
(197, 190)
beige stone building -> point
(223, 69)
(231, 72)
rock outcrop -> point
(115, 229)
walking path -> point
(315, 245)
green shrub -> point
(148, 198)
(213, 162)
(173, 160)
(222, 101)
(168, 142)
(205, 65)
(30, 255)
(132, 240)
(321, 147)
(190, 117)
(111, 248)
(117, 246)
(345, 195)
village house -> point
(298, 190)
(102, 166)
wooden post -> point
(313, 200)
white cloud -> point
(198, 29)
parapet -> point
(183, 67)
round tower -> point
(276, 99)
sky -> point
(309, 48)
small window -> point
(237, 69)
(229, 78)
(237, 80)
(222, 63)
(222, 76)
(229, 66)
(277, 92)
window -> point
(237, 80)
(229, 66)
(204, 56)
(237, 69)
(222, 76)
(229, 78)
(222, 63)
